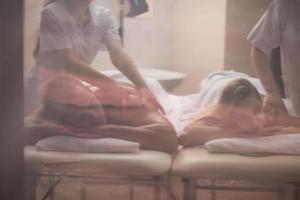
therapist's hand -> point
(149, 96)
(273, 105)
(269, 130)
(119, 95)
(278, 130)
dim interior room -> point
(192, 38)
(189, 37)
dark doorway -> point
(276, 69)
(11, 99)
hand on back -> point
(119, 95)
(274, 105)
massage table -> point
(147, 168)
(190, 164)
(269, 172)
(272, 172)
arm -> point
(124, 63)
(264, 37)
(200, 133)
(293, 121)
(155, 136)
(261, 65)
(35, 131)
(74, 65)
(286, 120)
(290, 130)
(111, 92)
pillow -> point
(276, 144)
(73, 144)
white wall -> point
(147, 39)
(185, 36)
(197, 39)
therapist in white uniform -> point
(279, 27)
(70, 36)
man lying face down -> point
(237, 114)
(71, 108)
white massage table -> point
(149, 168)
(155, 167)
(144, 167)
(194, 164)
(269, 173)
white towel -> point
(277, 144)
(72, 144)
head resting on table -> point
(244, 103)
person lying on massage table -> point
(74, 109)
(237, 114)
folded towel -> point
(72, 144)
(277, 144)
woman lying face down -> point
(237, 114)
(71, 108)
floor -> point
(70, 189)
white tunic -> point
(280, 27)
(59, 30)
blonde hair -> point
(235, 94)
(237, 91)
